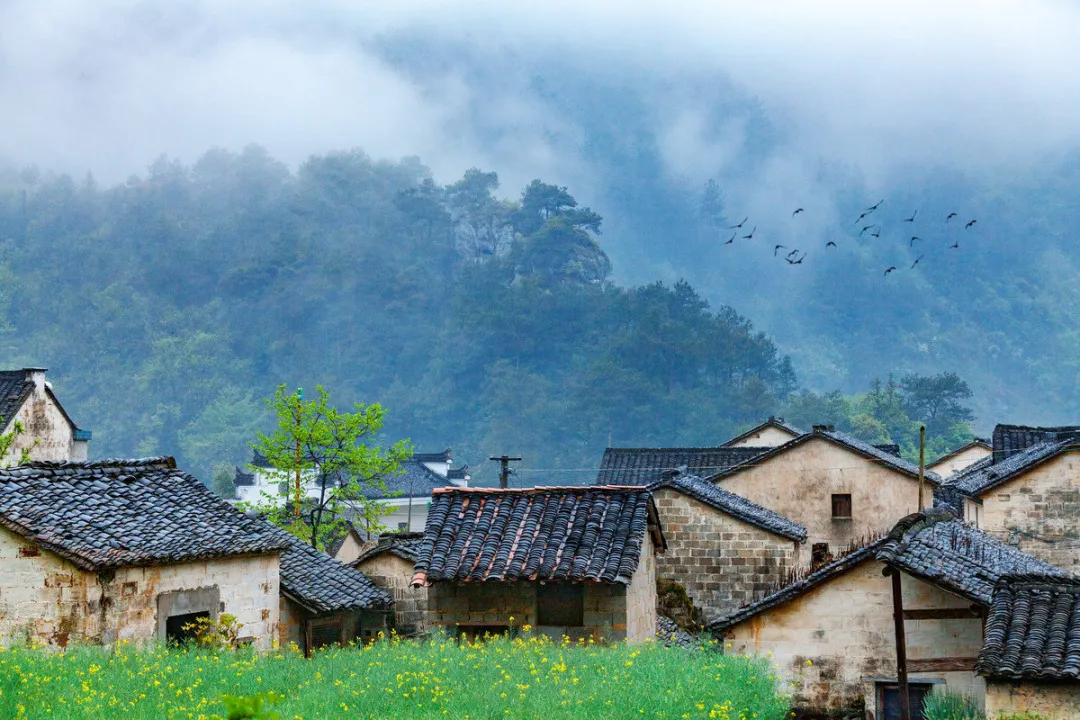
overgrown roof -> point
(772, 422)
(115, 513)
(841, 439)
(404, 545)
(936, 546)
(1033, 630)
(563, 534)
(645, 466)
(732, 504)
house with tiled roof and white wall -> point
(49, 433)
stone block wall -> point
(722, 562)
(46, 599)
(641, 597)
(394, 574)
(1050, 701)
(48, 434)
(1038, 511)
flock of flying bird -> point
(796, 256)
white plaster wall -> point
(48, 435)
(766, 437)
(958, 462)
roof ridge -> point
(733, 504)
(538, 489)
(158, 460)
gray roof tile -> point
(644, 466)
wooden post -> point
(504, 472)
(901, 646)
(922, 464)
(299, 491)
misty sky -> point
(109, 85)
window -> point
(841, 507)
(888, 699)
(325, 634)
(819, 554)
(403, 527)
(560, 604)
(180, 628)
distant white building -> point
(49, 433)
(408, 495)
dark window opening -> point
(819, 553)
(325, 634)
(403, 526)
(888, 697)
(841, 507)
(181, 628)
(560, 604)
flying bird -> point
(860, 217)
(913, 239)
(949, 217)
(955, 245)
(890, 269)
(793, 252)
(731, 239)
(797, 211)
(970, 224)
(751, 235)
(777, 249)
(872, 208)
(912, 218)
(868, 227)
(732, 227)
(917, 261)
(876, 234)
(830, 244)
(796, 262)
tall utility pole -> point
(504, 473)
(299, 409)
(922, 464)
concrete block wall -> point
(723, 563)
(46, 599)
(394, 574)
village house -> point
(961, 458)
(724, 550)
(770, 433)
(1027, 491)
(833, 632)
(136, 549)
(389, 564)
(842, 490)
(568, 561)
(645, 466)
(407, 495)
(49, 433)
(1031, 652)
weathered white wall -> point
(641, 597)
(1038, 510)
(958, 462)
(1050, 701)
(350, 549)
(45, 598)
(837, 636)
(766, 437)
(48, 435)
(799, 484)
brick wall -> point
(1050, 701)
(45, 598)
(394, 574)
(1038, 511)
(722, 562)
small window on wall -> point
(841, 507)
(560, 604)
(819, 554)
(325, 634)
(181, 628)
(403, 526)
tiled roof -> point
(243, 479)
(886, 459)
(15, 387)
(800, 587)
(542, 533)
(986, 474)
(440, 457)
(417, 480)
(259, 460)
(1033, 630)
(771, 422)
(936, 546)
(321, 584)
(1009, 440)
(644, 466)
(404, 545)
(114, 513)
(891, 448)
(732, 504)
(461, 474)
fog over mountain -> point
(959, 107)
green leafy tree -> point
(8, 439)
(937, 400)
(333, 452)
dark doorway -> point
(175, 631)
(560, 604)
(889, 700)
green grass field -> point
(500, 679)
